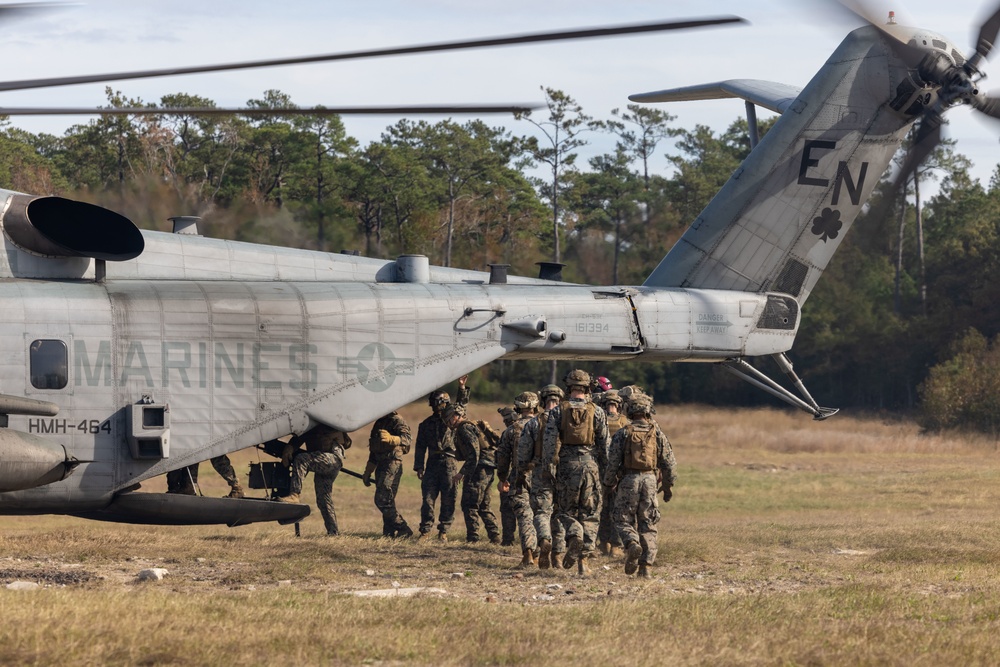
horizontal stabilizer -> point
(172, 509)
(776, 97)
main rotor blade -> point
(245, 111)
(23, 8)
(582, 33)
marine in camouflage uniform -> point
(608, 538)
(574, 452)
(512, 482)
(323, 457)
(388, 442)
(436, 477)
(541, 491)
(508, 519)
(476, 474)
(182, 481)
(637, 452)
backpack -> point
(577, 426)
(640, 447)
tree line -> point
(903, 319)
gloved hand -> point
(667, 493)
(420, 473)
(549, 472)
(387, 438)
(522, 480)
(367, 477)
(287, 454)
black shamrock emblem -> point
(827, 225)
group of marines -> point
(576, 471)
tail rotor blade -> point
(988, 35)
(987, 105)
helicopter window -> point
(49, 364)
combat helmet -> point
(452, 410)
(577, 378)
(438, 399)
(526, 400)
(551, 390)
(629, 391)
(508, 413)
(639, 404)
(611, 396)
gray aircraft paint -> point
(246, 343)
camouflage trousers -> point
(636, 503)
(476, 504)
(387, 475)
(520, 503)
(508, 520)
(606, 531)
(542, 495)
(324, 466)
(437, 480)
(184, 479)
(578, 498)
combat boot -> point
(290, 498)
(643, 571)
(582, 568)
(544, 552)
(236, 491)
(574, 549)
(527, 560)
(557, 561)
(442, 536)
(632, 555)
(614, 552)
(403, 531)
(494, 539)
(605, 548)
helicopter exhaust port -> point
(58, 228)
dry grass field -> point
(788, 542)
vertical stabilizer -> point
(778, 220)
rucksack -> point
(640, 447)
(577, 426)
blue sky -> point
(787, 41)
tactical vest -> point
(515, 434)
(618, 421)
(540, 436)
(577, 426)
(640, 447)
(484, 444)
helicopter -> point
(129, 354)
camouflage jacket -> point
(395, 425)
(469, 443)
(322, 438)
(552, 444)
(434, 438)
(665, 461)
(507, 450)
